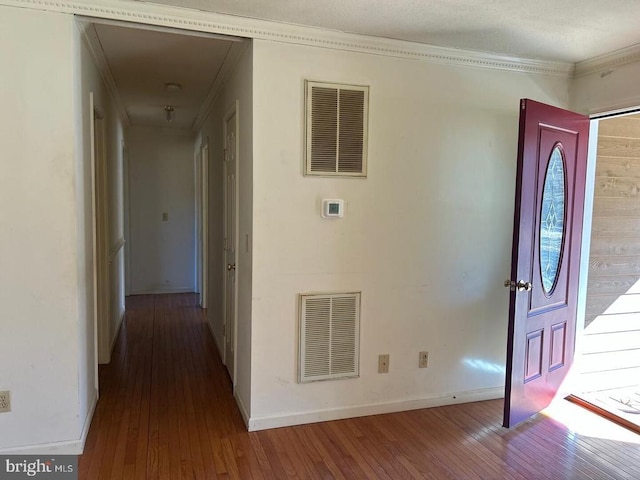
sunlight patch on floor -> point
(586, 423)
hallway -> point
(166, 411)
(164, 395)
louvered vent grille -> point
(317, 337)
(351, 131)
(336, 129)
(324, 143)
(329, 336)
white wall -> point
(161, 179)
(238, 87)
(40, 303)
(605, 91)
(426, 237)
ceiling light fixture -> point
(172, 87)
(169, 112)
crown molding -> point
(228, 67)
(197, 20)
(608, 61)
(92, 42)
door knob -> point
(521, 286)
(524, 286)
(231, 266)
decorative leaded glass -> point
(552, 220)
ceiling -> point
(559, 30)
(143, 61)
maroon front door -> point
(545, 261)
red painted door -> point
(545, 262)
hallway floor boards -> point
(166, 411)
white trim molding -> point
(70, 447)
(91, 41)
(603, 63)
(219, 346)
(289, 419)
(197, 20)
(116, 334)
(243, 410)
(228, 67)
(162, 291)
(87, 422)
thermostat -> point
(332, 208)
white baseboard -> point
(243, 409)
(286, 420)
(241, 406)
(219, 346)
(161, 291)
(104, 360)
(70, 447)
(117, 332)
(87, 421)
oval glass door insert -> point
(552, 220)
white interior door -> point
(230, 242)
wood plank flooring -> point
(166, 412)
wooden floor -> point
(166, 411)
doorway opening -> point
(607, 363)
(162, 95)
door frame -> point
(587, 221)
(592, 154)
(590, 184)
(100, 215)
(234, 110)
(197, 205)
(126, 218)
(201, 163)
(588, 215)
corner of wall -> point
(40, 283)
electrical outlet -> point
(383, 363)
(5, 401)
(423, 360)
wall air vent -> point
(336, 129)
(329, 336)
